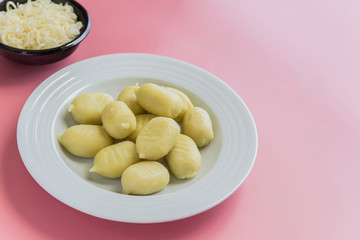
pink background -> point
(296, 64)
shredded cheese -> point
(39, 24)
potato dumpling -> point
(184, 159)
(85, 140)
(197, 125)
(87, 108)
(157, 138)
(141, 121)
(158, 100)
(118, 120)
(186, 103)
(111, 161)
(145, 177)
(128, 96)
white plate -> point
(226, 163)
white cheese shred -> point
(39, 24)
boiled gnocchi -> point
(185, 100)
(126, 137)
(157, 138)
(87, 108)
(118, 120)
(128, 96)
(197, 125)
(184, 159)
(111, 161)
(145, 177)
(158, 100)
(141, 121)
(85, 140)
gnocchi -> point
(111, 161)
(157, 138)
(87, 108)
(145, 123)
(158, 100)
(145, 177)
(118, 120)
(85, 140)
(141, 121)
(185, 106)
(128, 96)
(184, 159)
(197, 125)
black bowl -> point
(38, 57)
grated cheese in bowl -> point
(37, 25)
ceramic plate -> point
(226, 161)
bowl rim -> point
(72, 43)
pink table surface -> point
(296, 64)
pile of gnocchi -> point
(127, 136)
